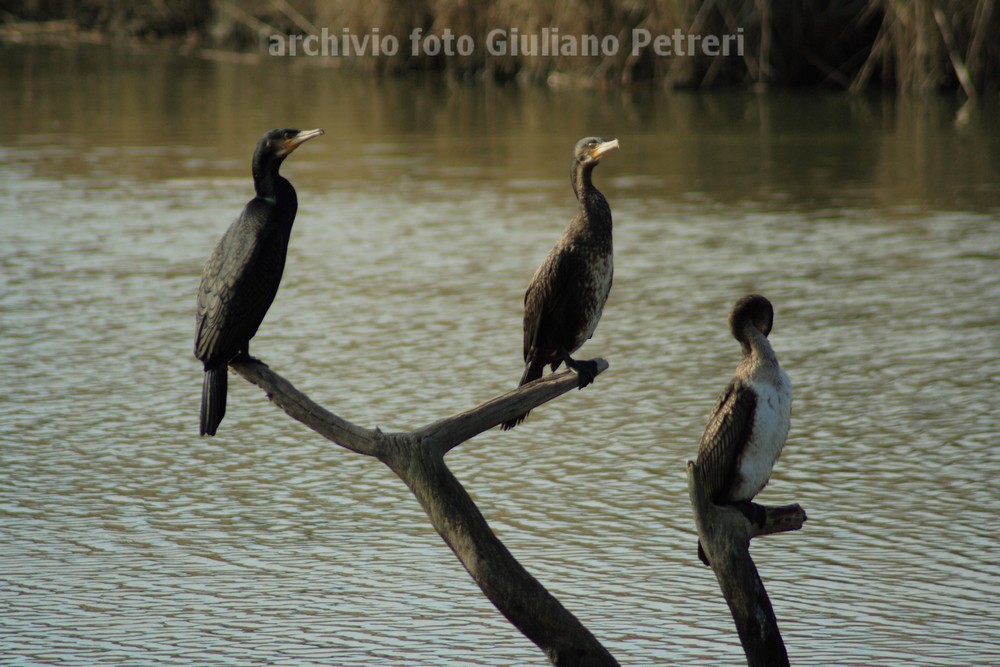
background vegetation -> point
(914, 46)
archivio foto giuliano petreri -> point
(503, 42)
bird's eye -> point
(288, 135)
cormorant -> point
(241, 276)
(748, 427)
(566, 296)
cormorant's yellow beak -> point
(600, 150)
(299, 139)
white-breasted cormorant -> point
(566, 296)
(750, 422)
(241, 276)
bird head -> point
(753, 310)
(590, 150)
(275, 146)
(281, 143)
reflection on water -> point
(126, 539)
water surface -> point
(872, 224)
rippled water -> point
(873, 225)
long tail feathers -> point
(213, 399)
(532, 372)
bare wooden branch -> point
(725, 535)
(452, 431)
(956, 59)
(302, 408)
(512, 589)
(417, 457)
(248, 20)
(877, 51)
(296, 17)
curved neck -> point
(756, 345)
(267, 182)
(592, 202)
(275, 189)
(580, 176)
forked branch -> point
(725, 534)
(417, 457)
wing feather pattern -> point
(238, 284)
(725, 437)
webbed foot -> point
(586, 370)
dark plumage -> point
(241, 276)
(566, 296)
(750, 422)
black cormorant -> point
(748, 427)
(566, 296)
(241, 276)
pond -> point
(872, 224)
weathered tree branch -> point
(961, 71)
(511, 589)
(302, 408)
(725, 535)
(417, 457)
(450, 432)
